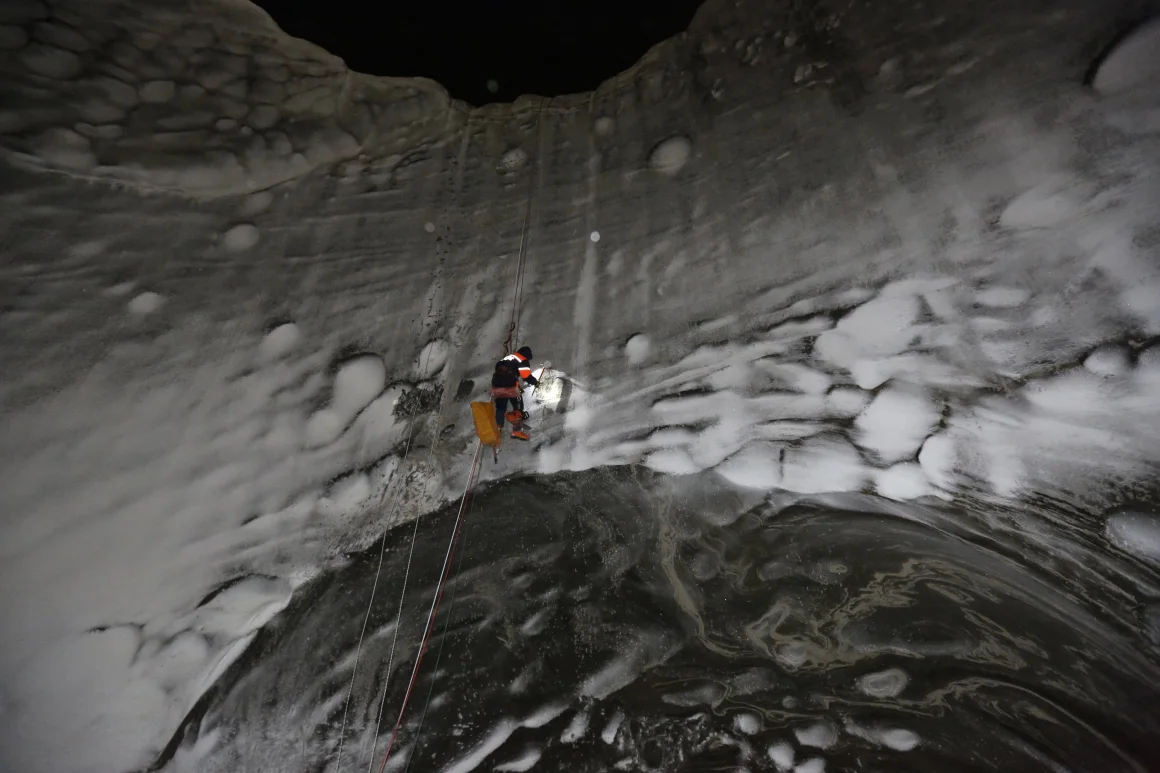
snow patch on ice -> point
(608, 734)
(496, 738)
(812, 765)
(902, 482)
(747, 723)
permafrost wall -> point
(817, 246)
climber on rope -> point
(506, 389)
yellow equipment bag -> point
(485, 426)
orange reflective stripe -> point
(525, 372)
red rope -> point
(435, 605)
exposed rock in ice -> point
(241, 237)
(671, 155)
(1133, 63)
(637, 348)
(280, 341)
(1108, 360)
(896, 422)
(146, 303)
(1137, 534)
(883, 684)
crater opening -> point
(490, 52)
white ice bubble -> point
(902, 482)
(782, 755)
(432, 359)
(1137, 534)
(280, 341)
(821, 735)
(812, 765)
(1133, 63)
(883, 684)
(637, 348)
(429, 227)
(241, 237)
(671, 155)
(896, 422)
(594, 236)
(747, 723)
(898, 739)
(146, 303)
(1108, 360)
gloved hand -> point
(525, 415)
(533, 381)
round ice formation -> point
(146, 303)
(671, 155)
(604, 125)
(280, 341)
(432, 358)
(782, 755)
(1108, 360)
(158, 92)
(1137, 534)
(594, 236)
(637, 348)
(429, 227)
(51, 62)
(822, 735)
(255, 203)
(883, 684)
(512, 160)
(747, 723)
(1134, 62)
(902, 482)
(812, 765)
(241, 237)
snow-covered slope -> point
(925, 264)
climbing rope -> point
(459, 517)
(434, 605)
(519, 288)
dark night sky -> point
(526, 46)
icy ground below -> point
(625, 620)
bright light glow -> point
(551, 389)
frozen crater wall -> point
(815, 247)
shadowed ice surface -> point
(620, 619)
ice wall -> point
(816, 247)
